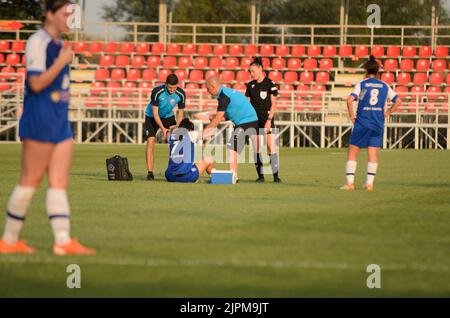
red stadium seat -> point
(361, 51)
(377, 51)
(111, 47)
(433, 92)
(181, 74)
(196, 76)
(388, 77)
(417, 91)
(148, 75)
(286, 90)
(266, 62)
(345, 51)
(2, 59)
(393, 51)
(220, 49)
(298, 50)
(133, 75)
(101, 74)
(169, 62)
(390, 65)
(128, 88)
(246, 61)
(407, 65)
(142, 48)
(173, 48)
(420, 78)
(310, 64)
(184, 62)
(409, 51)
(113, 87)
(126, 48)
(242, 76)
(422, 65)
(117, 74)
(162, 75)
(122, 60)
(251, 49)
(266, 50)
(137, 61)
(200, 62)
(189, 49)
(425, 51)
(97, 88)
(314, 50)
(13, 59)
(402, 91)
(18, 46)
(329, 50)
(211, 73)
(436, 78)
(278, 63)
(153, 61)
(447, 79)
(294, 64)
(106, 61)
(439, 65)
(303, 90)
(240, 87)
(235, 49)
(231, 62)
(322, 77)
(227, 76)
(24, 59)
(96, 47)
(441, 51)
(4, 45)
(290, 77)
(80, 47)
(157, 48)
(318, 91)
(191, 86)
(7, 69)
(204, 49)
(404, 78)
(215, 62)
(282, 50)
(276, 76)
(326, 64)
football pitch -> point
(302, 238)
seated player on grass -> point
(181, 167)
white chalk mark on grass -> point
(26, 259)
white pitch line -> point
(13, 259)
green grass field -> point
(300, 238)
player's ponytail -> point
(257, 61)
(372, 67)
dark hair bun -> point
(257, 60)
(371, 58)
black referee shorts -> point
(263, 115)
(151, 127)
(241, 135)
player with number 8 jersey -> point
(371, 94)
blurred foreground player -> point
(368, 128)
(46, 135)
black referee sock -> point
(258, 165)
(274, 164)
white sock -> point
(58, 212)
(18, 204)
(350, 169)
(371, 172)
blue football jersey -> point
(45, 114)
(371, 94)
(181, 156)
(165, 102)
(236, 106)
